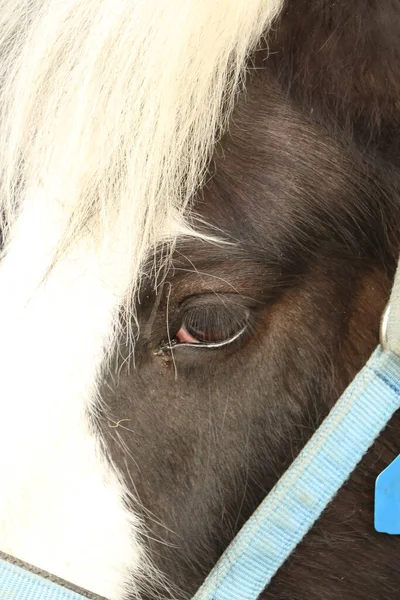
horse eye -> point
(211, 328)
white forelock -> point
(112, 106)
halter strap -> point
(21, 581)
(308, 486)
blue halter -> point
(20, 581)
(297, 500)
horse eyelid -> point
(210, 345)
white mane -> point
(109, 110)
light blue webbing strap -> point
(298, 499)
(20, 581)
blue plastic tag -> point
(387, 499)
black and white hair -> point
(109, 110)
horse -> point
(200, 230)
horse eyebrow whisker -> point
(118, 423)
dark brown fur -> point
(305, 186)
